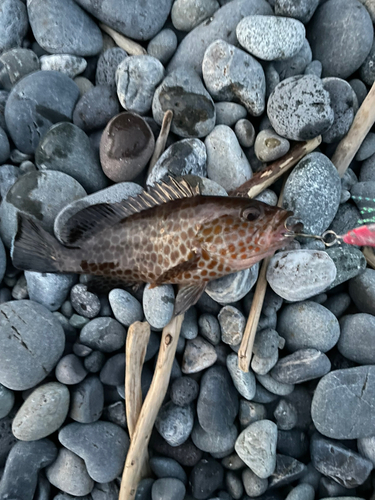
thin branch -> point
(369, 255)
(154, 399)
(362, 123)
(130, 46)
(261, 180)
(161, 140)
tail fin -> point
(33, 248)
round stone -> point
(136, 80)
(314, 68)
(4, 147)
(349, 262)
(367, 147)
(167, 467)
(301, 366)
(273, 386)
(233, 287)
(183, 92)
(209, 328)
(85, 303)
(13, 24)
(70, 370)
(158, 305)
(168, 488)
(126, 308)
(312, 192)
(226, 81)
(87, 400)
(271, 38)
(357, 334)
(189, 327)
(32, 340)
(228, 113)
(15, 64)
(245, 133)
(366, 447)
(107, 65)
(163, 45)
(94, 362)
(198, 355)
(256, 446)
(65, 63)
(95, 108)
(126, 146)
(49, 289)
(206, 477)
(104, 334)
(244, 382)
(43, 412)
(232, 323)
(302, 10)
(64, 28)
(269, 146)
(367, 71)
(308, 325)
(299, 108)
(340, 36)
(102, 446)
(184, 390)
(175, 423)
(300, 274)
(35, 103)
(254, 485)
(7, 401)
(113, 372)
(215, 442)
(362, 291)
(187, 14)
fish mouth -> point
(291, 226)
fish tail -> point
(34, 249)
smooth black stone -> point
(301, 366)
(184, 390)
(187, 454)
(293, 443)
(113, 372)
(287, 471)
(206, 477)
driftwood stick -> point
(130, 46)
(261, 180)
(154, 399)
(349, 145)
(161, 140)
(369, 256)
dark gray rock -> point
(102, 445)
(140, 22)
(87, 401)
(362, 291)
(189, 327)
(308, 325)
(183, 92)
(167, 467)
(3, 261)
(184, 390)
(32, 340)
(94, 362)
(302, 10)
(115, 413)
(105, 491)
(70, 370)
(226, 81)
(187, 454)
(359, 88)
(217, 404)
(175, 423)
(43, 412)
(217, 443)
(251, 412)
(209, 328)
(367, 71)
(244, 382)
(294, 111)
(367, 148)
(274, 386)
(49, 289)
(254, 485)
(287, 470)
(352, 389)
(8, 176)
(24, 462)
(301, 366)
(357, 334)
(104, 334)
(7, 439)
(314, 68)
(95, 108)
(107, 66)
(113, 372)
(340, 36)
(206, 477)
(346, 218)
(168, 488)
(295, 65)
(64, 28)
(313, 192)
(7, 401)
(285, 415)
(245, 132)
(144, 489)
(13, 24)
(4, 147)
(338, 303)
(187, 15)
(35, 103)
(338, 462)
(349, 262)
(163, 45)
(293, 443)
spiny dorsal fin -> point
(95, 218)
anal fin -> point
(187, 296)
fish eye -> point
(251, 214)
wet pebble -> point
(95, 108)
(168, 489)
(136, 80)
(254, 485)
(70, 370)
(175, 423)
(113, 371)
(308, 325)
(233, 287)
(43, 412)
(228, 113)
(6, 401)
(232, 323)
(225, 80)
(362, 291)
(274, 386)
(102, 446)
(158, 305)
(206, 477)
(49, 289)
(357, 334)
(263, 365)
(94, 362)
(26, 322)
(300, 274)
(87, 400)
(163, 45)
(104, 333)
(270, 37)
(285, 415)
(107, 65)
(301, 366)
(183, 391)
(244, 382)
(269, 146)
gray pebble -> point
(81, 350)
(95, 108)
(302, 492)
(267, 342)
(189, 327)
(25, 460)
(163, 45)
(13, 24)
(187, 14)
(30, 339)
(338, 303)
(113, 372)
(125, 307)
(251, 412)
(8, 176)
(244, 382)
(3, 261)
(226, 81)
(341, 37)
(362, 291)
(64, 28)
(65, 63)
(85, 303)
(272, 80)
(94, 362)
(313, 192)
(183, 92)
(4, 147)
(357, 334)
(271, 38)
(183, 391)
(287, 470)
(308, 325)
(19, 291)
(233, 462)
(104, 334)
(254, 485)
(295, 65)
(256, 446)
(6, 401)
(314, 68)
(267, 196)
(367, 147)
(360, 89)
(69, 474)
(77, 321)
(346, 218)
(300, 274)
(302, 10)
(87, 401)
(105, 491)
(269, 146)
(185, 157)
(136, 80)
(245, 133)
(144, 489)
(233, 287)
(83, 84)
(70, 370)
(49, 289)
(34, 93)
(115, 413)
(228, 113)
(262, 365)
(66, 148)
(273, 386)
(293, 108)
(107, 65)
(158, 305)
(232, 323)
(226, 162)
(366, 447)
(102, 445)
(209, 328)
(168, 489)
(285, 415)
(218, 443)
(349, 262)
(199, 354)
(301, 366)
(175, 423)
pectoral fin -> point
(172, 274)
(187, 296)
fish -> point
(170, 234)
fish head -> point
(245, 231)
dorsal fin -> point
(95, 218)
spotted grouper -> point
(170, 234)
